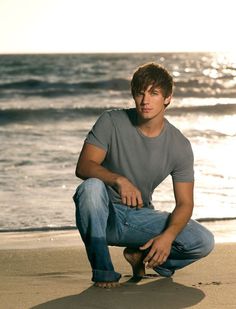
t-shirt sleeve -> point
(183, 170)
(100, 134)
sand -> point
(50, 270)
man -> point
(126, 155)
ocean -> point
(48, 103)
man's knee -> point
(93, 185)
(91, 190)
(196, 240)
(208, 244)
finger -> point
(163, 259)
(147, 245)
(128, 200)
(153, 260)
(123, 198)
(149, 256)
(133, 201)
(148, 260)
(139, 200)
(157, 260)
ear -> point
(167, 100)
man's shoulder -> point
(121, 115)
(120, 112)
(176, 135)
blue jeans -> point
(102, 223)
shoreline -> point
(224, 233)
(50, 270)
(207, 220)
(60, 277)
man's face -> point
(150, 103)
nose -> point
(145, 98)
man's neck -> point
(152, 127)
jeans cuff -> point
(105, 276)
(164, 272)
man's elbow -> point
(186, 207)
(79, 172)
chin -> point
(145, 116)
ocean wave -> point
(73, 227)
(45, 114)
(38, 87)
(222, 109)
(215, 219)
(207, 134)
(43, 88)
(39, 229)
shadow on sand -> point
(160, 293)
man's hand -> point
(130, 195)
(159, 252)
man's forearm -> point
(91, 169)
(178, 220)
(161, 244)
(130, 195)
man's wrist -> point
(170, 235)
(118, 179)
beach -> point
(43, 270)
(48, 104)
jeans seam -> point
(137, 228)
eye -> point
(155, 92)
(139, 94)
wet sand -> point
(43, 270)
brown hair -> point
(152, 74)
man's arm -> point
(89, 166)
(180, 216)
(161, 245)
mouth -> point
(146, 110)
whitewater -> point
(48, 103)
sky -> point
(74, 26)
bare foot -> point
(107, 285)
(135, 258)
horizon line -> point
(109, 52)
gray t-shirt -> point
(145, 161)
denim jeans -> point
(102, 224)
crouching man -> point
(126, 155)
